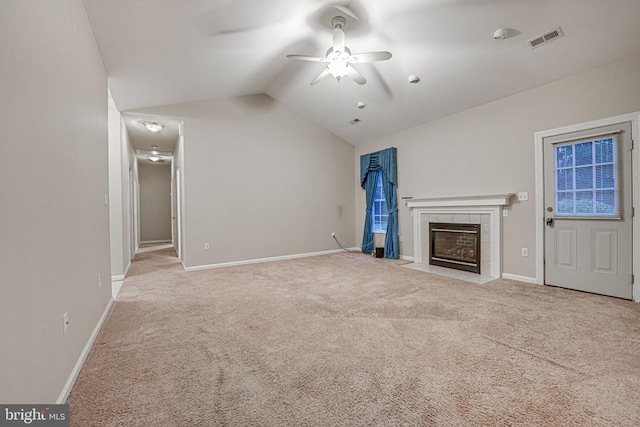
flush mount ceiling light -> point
(154, 159)
(153, 126)
(339, 59)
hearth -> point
(455, 246)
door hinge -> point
(632, 279)
(632, 144)
(633, 212)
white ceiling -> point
(161, 52)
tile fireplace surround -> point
(484, 209)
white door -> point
(588, 210)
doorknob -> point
(549, 221)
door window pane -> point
(604, 151)
(564, 156)
(565, 202)
(564, 179)
(585, 178)
(584, 153)
(604, 176)
(584, 202)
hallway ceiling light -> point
(153, 126)
(155, 159)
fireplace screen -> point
(455, 246)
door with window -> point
(588, 210)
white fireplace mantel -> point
(490, 204)
(500, 199)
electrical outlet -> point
(525, 251)
(400, 238)
(99, 280)
(333, 235)
(523, 196)
(65, 323)
(505, 213)
(207, 246)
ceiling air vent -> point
(545, 38)
(355, 121)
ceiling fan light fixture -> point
(338, 69)
(153, 126)
(339, 59)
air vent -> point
(355, 121)
(545, 38)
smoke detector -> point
(501, 33)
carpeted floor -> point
(351, 340)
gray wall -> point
(261, 181)
(155, 202)
(53, 220)
(490, 149)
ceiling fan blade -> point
(338, 40)
(307, 58)
(355, 75)
(320, 76)
(370, 57)
(347, 11)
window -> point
(586, 178)
(379, 212)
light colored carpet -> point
(351, 340)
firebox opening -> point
(455, 246)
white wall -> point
(121, 160)
(155, 202)
(115, 192)
(177, 174)
(261, 181)
(490, 149)
(129, 171)
(53, 220)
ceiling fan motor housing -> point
(338, 22)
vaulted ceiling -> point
(162, 52)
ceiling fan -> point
(339, 59)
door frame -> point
(539, 136)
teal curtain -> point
(371, 164)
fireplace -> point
(455, 246)
(485, 209)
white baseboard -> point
(121, 277)
(64, 394)
(525, 279)
(115, 289)
(260, 260)
(407, 258)
(155, 241)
